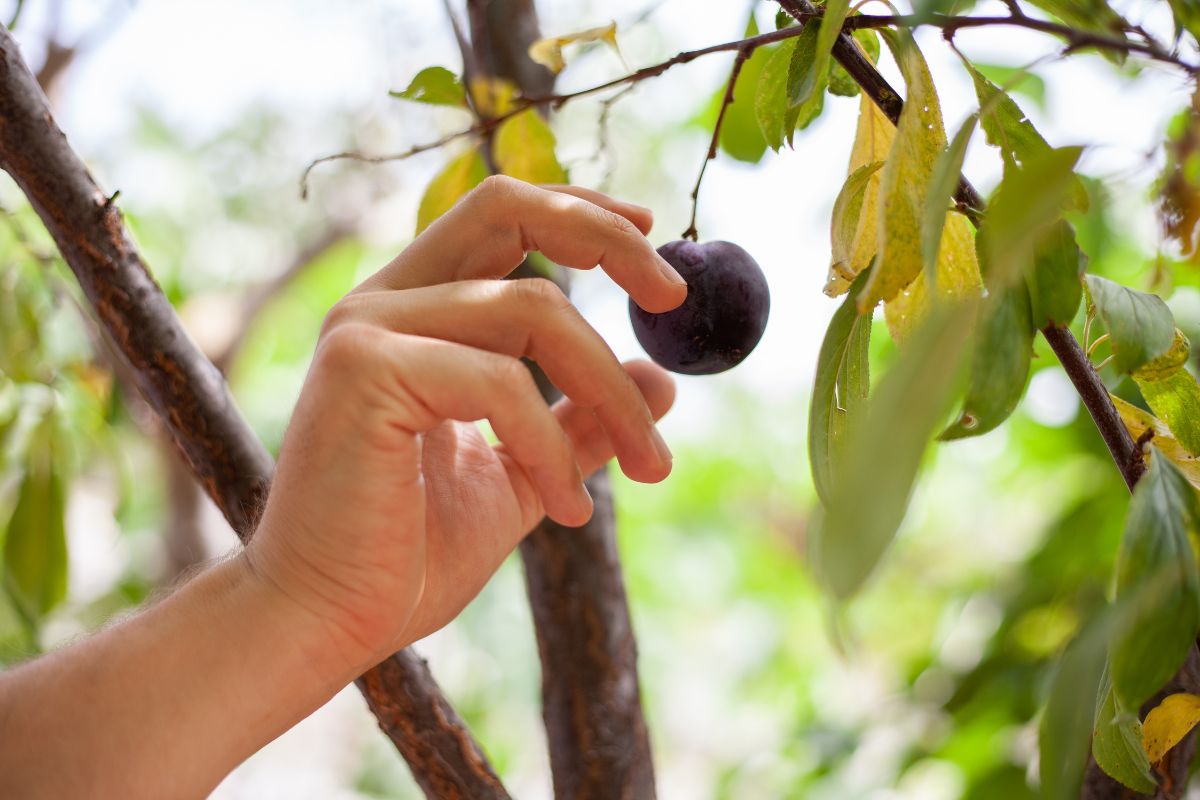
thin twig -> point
(738, 62)
(557, 101)
(604, 150)
(1076, 39)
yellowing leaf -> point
(1168, 722)
(872, 142)
(847, 211)
(548, 51)
(456, 179)
(1138, 422)
(493, 96)
(524, 149)
(957, 278)
(1176, 399)
(905, 181)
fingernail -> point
(669, 272)
(660, 445)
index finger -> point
(489, 233)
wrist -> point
(330, 655)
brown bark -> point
(599, 745)
(591, 701)
(191, 397)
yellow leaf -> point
(493, 96)
(920, 139)
(1138, 422)
(524, 149)
(957, 278)
(1167, 724)
(872, 142)
(456, 179)
(548, 51)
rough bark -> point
(591, 701)
(191, 397)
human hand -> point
(389, 510)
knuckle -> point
(613, 221)
(541, 293)
(347, 347)
(494, 189)
(342, 312)
(510, 374)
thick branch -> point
(191, 397)
(591, 702)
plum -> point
(722, 318)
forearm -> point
(167, 703)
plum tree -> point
(723, 317)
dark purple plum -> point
(722, 318)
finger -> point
(593, 447)
(489, 233)
(640, 216)
(529, 318)
(421, 382)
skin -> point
(388, 510)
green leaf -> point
(1000, 364)
(1027, 203)
(840, 82)
(770, 103)
(524, 149)
(1088, 15)
(1117, 743)
(1068, 721)
(946, 173)
(812, 75)
(1055, 281)
(845, 222)
(1187, 17)
(1008, 128)
(873, 481)
(437, 86)
(35, 544)
(906, 177)
(457, 178)
(1016, 79)
(839, 391)
(1156, 550)
(1176, 400)
(1140, 326)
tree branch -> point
(191, 397)
(1076, 39)
(591, 701)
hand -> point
(389, 511)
